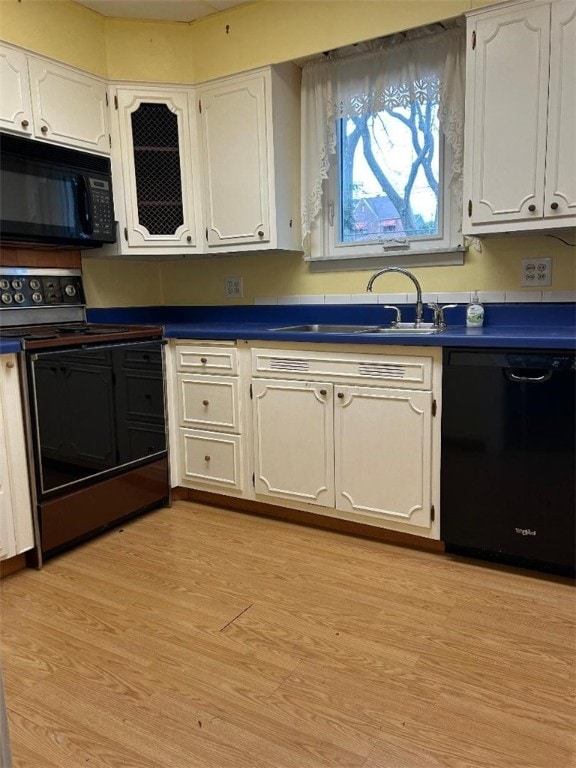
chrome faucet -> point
(419, 308)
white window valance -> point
(394, 72)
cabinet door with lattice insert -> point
(155, 137)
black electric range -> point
(94, 407)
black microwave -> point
(53, 195)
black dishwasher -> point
(508, 477)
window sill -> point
(439, 257)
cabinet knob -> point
(260, 233)
(341, 395)
(532, 208)
(204, 360)
(44, 129)
(323, 392)
(554, 206)
(205, 402)
(189, 239)
(10, 364)
(206, 458)
(24, 123)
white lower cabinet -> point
(294, 433)
(208, 449)
(16, 531)
(382, 453)
(351, 432)
(331, 429)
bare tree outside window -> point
(390, 173)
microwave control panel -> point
(100, 191)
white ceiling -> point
(165, 10)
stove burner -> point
(76, 334)
(41, 336)
(19, 333)
(89, 330)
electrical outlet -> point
(233, 287)
(536, 273)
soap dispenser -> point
(474, 312)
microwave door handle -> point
(84, 207)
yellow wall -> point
(281, 30)
(497, 268)
(57, 28)
(262, 32)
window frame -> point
(446, 247)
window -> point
(382, 149)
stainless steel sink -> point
(327, 328)
(406, 329)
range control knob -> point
(70, 290)
(6, 298)
(4, 284)
(17, 284)
(34, 284)
(19, 298)
(37, 297)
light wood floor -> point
(196, 637)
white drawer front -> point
(210, 458)
(209, 402)
(219, 360)
(414, 372)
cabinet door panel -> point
(236, 162)
(69, 107)
(210, 458)
(16, 533)
(158, 187)
(293, 432)
(209, 402)
(15, 106)
(383, 453)
(561, 153)
(7, 537)
(509, 116)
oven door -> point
(96, 411)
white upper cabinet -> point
(250, 128)
(15, 105)
(52, 102)
(520, 156)
(560, 189)
(153, 171)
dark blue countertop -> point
(9, 345)
(503, 336)
(537, 326)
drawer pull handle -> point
(205, 402)
(206, 458)
(203, 360)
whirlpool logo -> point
(525, 531)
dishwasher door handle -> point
(511, 376)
